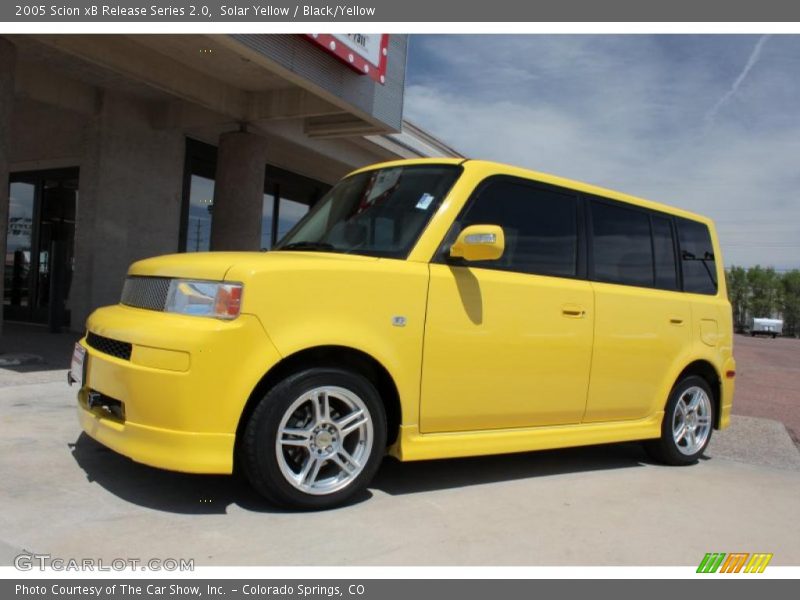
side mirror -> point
(479, 242)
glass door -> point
(40, 246)
(17, 285)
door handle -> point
(573, 311)
(676, 321)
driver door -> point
(508, 342)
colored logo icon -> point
(735, 562)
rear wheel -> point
(316, 439)
(687, 425)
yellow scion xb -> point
(425, 309)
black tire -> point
(266, 467)
(666, 449)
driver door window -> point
(540, 226)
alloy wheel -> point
(691, 421)
(324, 440)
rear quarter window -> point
(698, 262)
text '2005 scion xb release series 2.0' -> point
(428, 309)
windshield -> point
(377, 213)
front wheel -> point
(316, 439)
(687, 425)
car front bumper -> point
(176, 401)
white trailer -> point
(763, 326)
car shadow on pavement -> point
(185, 493)
(166, 491)
(395, 477)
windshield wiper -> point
(322, 246)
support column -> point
(130, 200)
(239, 192)
(7, 68)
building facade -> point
(117, 148)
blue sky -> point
(708, 123)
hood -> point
(214, 266)
(194, 265)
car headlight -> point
(204, 298)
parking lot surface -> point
(768, 380)
(66, 495)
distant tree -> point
(739, 296)
(765, 291)
(790, 302)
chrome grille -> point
(109, 346)
(146, 292)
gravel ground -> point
(756, 441)
(768, 380)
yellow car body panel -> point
(642, 343)
(521, 361)
(362, 296)
(477, 356)
(181, 406)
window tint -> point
(697, 258)
(540, 227)
(664, 252)
(621, 245)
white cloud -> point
(632, 113)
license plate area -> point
(77, 369)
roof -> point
(491, 168)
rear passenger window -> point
(697, 258)
(621, 245)
(540, 227)
(664, 254)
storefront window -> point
(266, 221)
(20, 238)
(287, 198)
(198, 226)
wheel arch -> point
(343, 357)
(706, 370)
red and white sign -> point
(366, 53)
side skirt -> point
(413, 445)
